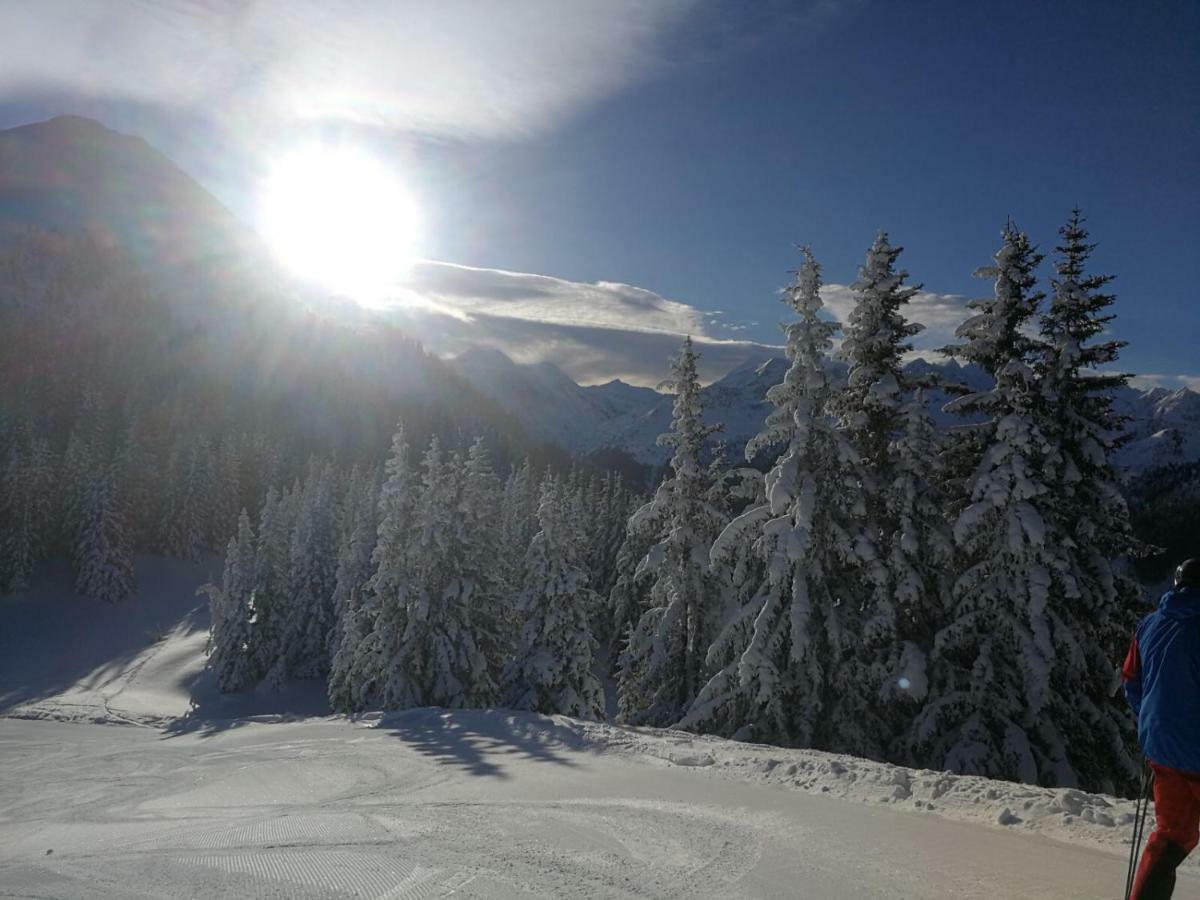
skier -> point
(1162, 681)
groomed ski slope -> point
(124, 775)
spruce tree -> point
(818, 564)
(883, 414)
(876, 338)
(186, 522)
(271, 608)
(27, 493)
(352, 615)
(489, 595)
(227, 492)
(231, 606)
(1000, 701)
(103, 565)
(141, 478)
(723, 706)
(551, 670)
(921, 559)
(518, 520)
(390, 588)
(79, 467)
(1100, 598)
(313, 571)
(663, 663)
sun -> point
(337, 216)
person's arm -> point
(1131, 675)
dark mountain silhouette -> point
(72, 174)
(123, 277)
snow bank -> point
(1092, 820)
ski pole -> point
(1139, 825)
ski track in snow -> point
(435, 804)
(431, 803)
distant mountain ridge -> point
(1164, 425)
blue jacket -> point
(1162, 681)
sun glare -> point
(339, 217)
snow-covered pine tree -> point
(186, 522)
(662, 666)
(440, 662)
(79, 467)
(1000, 685)
(619, 502)
(313, 569)
(723, 706)
(518, 520)
(876, 339)
(103, 565)
(354, 492)
(17, 550)
(140, 480)
(490, 597)
(269, 618)
(353, 618)
(921, 558)
(808, 610)
(390, 587)
(897, 446)
(231, 608)
(551, 669)
(608, 503)
(26, 511)
(1092, 512)
(627, 598)
(613, 562)
(227, 492)
(584, 528)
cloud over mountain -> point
(597, 331)
(594, 331)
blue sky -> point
(686, 147)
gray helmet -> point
(1187, 575)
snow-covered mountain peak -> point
(1164, 424)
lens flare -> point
(340, 218)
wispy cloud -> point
(468, 290)
(593, 331)
(455, 67)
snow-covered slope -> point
(67, 658)
(489, 805)
(1165, 425)
(251, 796)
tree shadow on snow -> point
(213, 712)
(53, 641)
(481, 741)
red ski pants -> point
(1176, 832)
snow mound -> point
(1092, 820)
(1095, 820)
